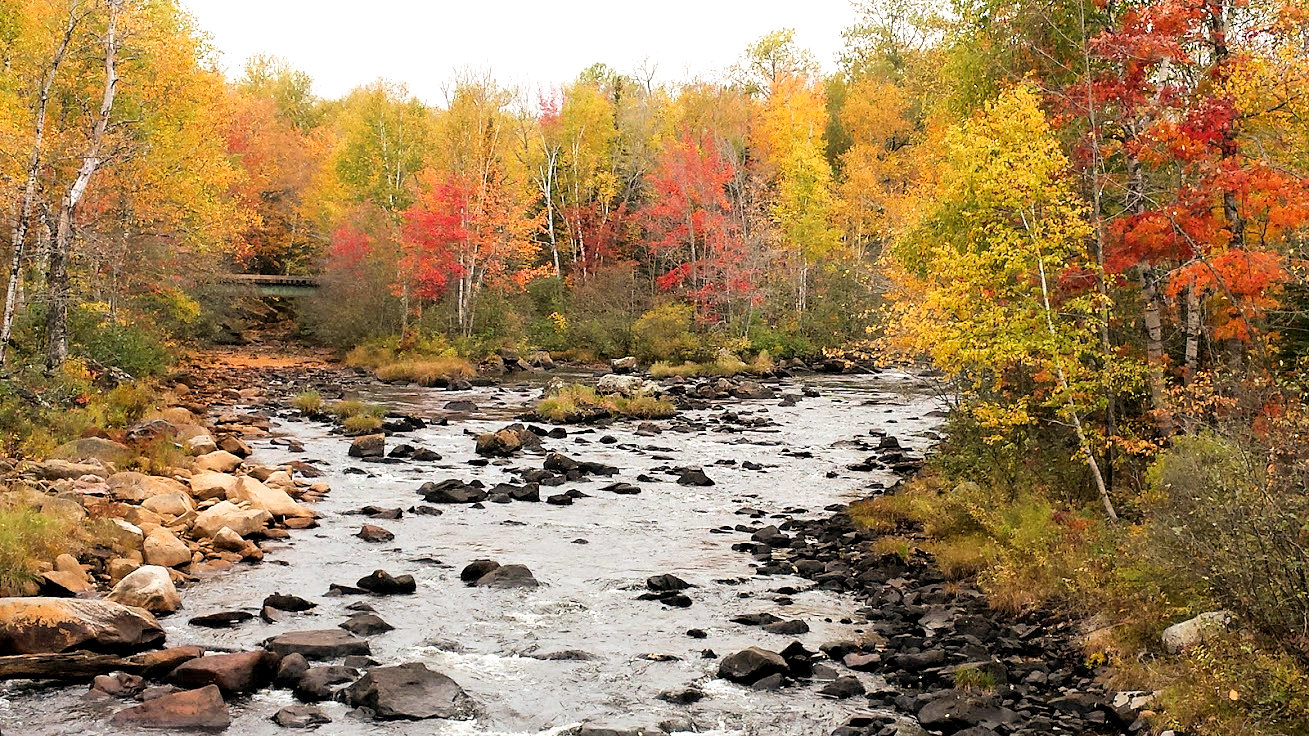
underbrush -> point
(427, 362)
(40, 411)
(725, 366)
(29, 536)
(575, 402)
(1212, 527)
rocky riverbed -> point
(695, 574)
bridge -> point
(271, 285)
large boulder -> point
(1182, 636)
(261, 496)
(218, 461)
(227, 514)
(239, 672)
(207, 485)
(149, 587)
(174, 504)
(163, 549)
(317, 644)
(370, 445)
(44, 625)
(137, 487)
(66, 470)
(409, 691)
(751, 665)
(92, 448)
(626, 385)
(189, 709)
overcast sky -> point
(345, 43)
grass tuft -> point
(308, 401)
(725, 366)
(575, 402)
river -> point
(592, 559)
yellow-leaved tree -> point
(987, 283)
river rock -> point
(626, 386)
(607, 728)
(508, 576)
(92, 449)
(477, 569)
(292, 603)
(374, 533)
(1182, 636)
(370, 445)
(624, 365)
(218, 461)
(748, 666)
(452, 491)
(291, 669)
(301, 716)
(234, 445)
(315, 685)
(149, 587)
(174, 504)
(227, 514)
(260, 496)
(666, 583)
(46, 625)
(366, 624)
(843, 687)
(409, 691)
(207, 485)
(233, 673)
(507, 441)
(163, 549)
(201, 444)
(190, 709)
(380, 582)
(136, 487)
(955, 710)
(221, 620)
(694, 477)
(229, 540)
(317, 644)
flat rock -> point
(409, 691)
(190, 709)
(239, 672)
(317, 644)
(301, 716)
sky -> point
(346, 43)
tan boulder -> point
(272, 500)
(206, 485)
(166, 550)
(92, 448)
(201, 444)
(227, 514)
(150, 587)
(58, 469)
(170, 504)
(126, 534)
(121, 567)
(218, 462)
(229, 540)
(62, 583)
(136, 487)
(41, 625)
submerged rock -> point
(380, 582)
(508, 576)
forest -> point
(1083, 219)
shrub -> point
(664, 333)
(308, 401)
(1225, 517)
(128, 347)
